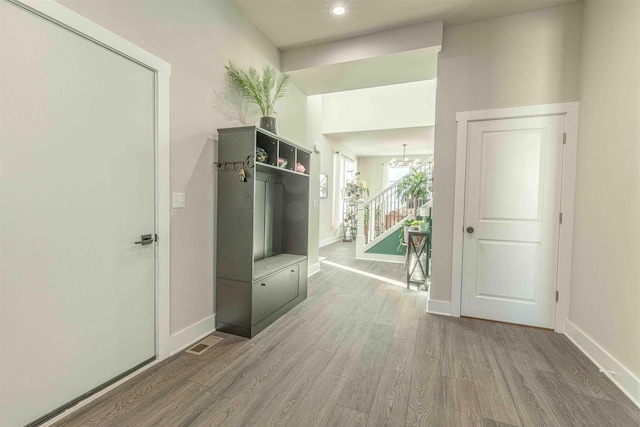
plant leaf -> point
(259, 89)
(268, 81)
(281, 88)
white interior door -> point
(77, 190)
(512, 206)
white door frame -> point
(82, 26)
(563, 283)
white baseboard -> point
(398, 259)
(330, 240)
(95, 396)
(443, 308)
(189, 335)
(624, 379)
(313, 269)
(179, 341)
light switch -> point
(179, 200)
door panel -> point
(77, 189)
(515, 155)
(495, 281)
(512, 202)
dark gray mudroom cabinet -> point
(262, 229)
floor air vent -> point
(203, 345)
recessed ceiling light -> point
(338, 10)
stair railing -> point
(386, 209)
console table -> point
(418, 246)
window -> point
(348, 172)
(344, 169)
(395, 174)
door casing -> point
(569, 157)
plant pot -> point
(270, 124)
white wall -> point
(525, 59)
(605, 288)
(315, 204)
(198, 38)
(378, 108)
(328, 147)
(372, 170)
(326, 231)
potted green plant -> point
(260, 89)
(354, 190)
(413, 187)
(408, 224)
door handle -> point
(145, 239)
(470, 230)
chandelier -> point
(395, 163)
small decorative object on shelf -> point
(263, 90)
(300, 168)
(282, 163)
(261, 155)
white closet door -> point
(512, 207)
(77, 190)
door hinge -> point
(557, 296)
(560, 217)
(564, 138)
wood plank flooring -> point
(344, 253)
(359, 352)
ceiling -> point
(411, 66)
(387, 142)
(295, 23)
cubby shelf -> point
(278, 148)
(264, 167)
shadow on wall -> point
(227, 101)
(192, 248)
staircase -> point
(382, 216)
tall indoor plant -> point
(260, 89)
(414, 187)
